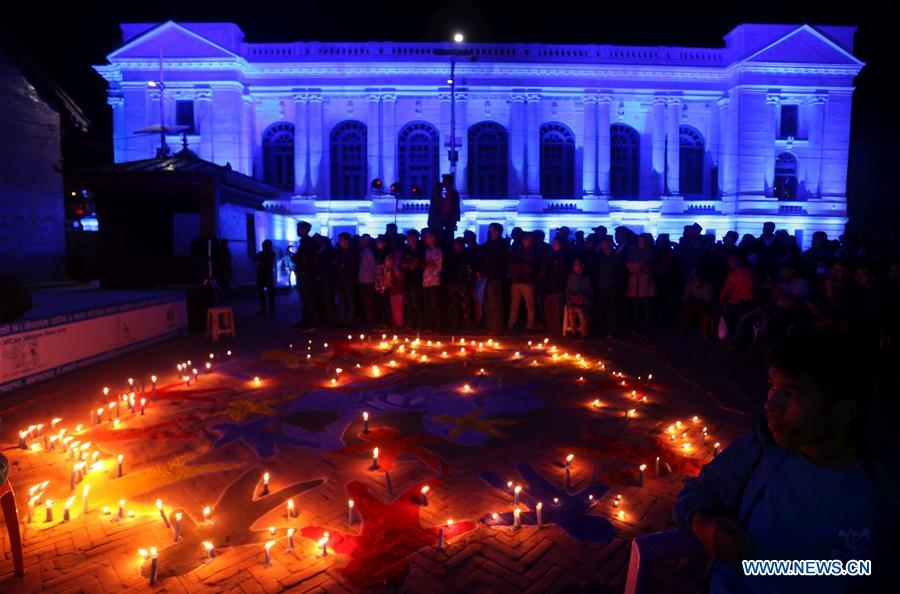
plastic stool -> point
(11, 516)
(220, 322)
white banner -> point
(35, 350)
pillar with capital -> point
(300, 144)
(389, 137)
(589, 142)
(673, 146)
(773, 103)
(727, 149)
(603, 124)
(517, 126)
(533, 145)
(462, 132)
(316, 145)
(658, 146)
(373, 134)
(117, 103)
(712, 148)
(205, 128)
(444, 127)
(815, 145)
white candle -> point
(153, 393)
(642, 468)
(290, 534)
(716, 449)
(49, 506)
(121, 509)
(539, 509)
(656, 466)
(324, 543)
(84, 499)
(291, 511)
(66, 516)
(265, 488)
(516, 492)
(517, 519)
(375, 458)
(206, 513)
(267, 551)
(365, 422)
(210, 550)
(143, 403)
(162, 514)
(178, 517)
(120, 458)
(424, 498)
(271, 530)
(154, 566)
(350, 511)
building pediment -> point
(170, 40)
(803, 45)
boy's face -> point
(430, 240)
(796, 410)
(577, 267)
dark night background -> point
(67, 40)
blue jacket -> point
(733, 482)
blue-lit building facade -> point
(547, 135)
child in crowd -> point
(579, 294)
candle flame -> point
(207, 511)
(69, 502)
(266, 478)
(350, 503)
(207, 545)
(143, 553)
(375, 452)
(425, 489)
(290, 531)
(570, 457)
(540, 505)
(153, 551)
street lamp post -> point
(159, 84)
(454, 52)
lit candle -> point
(93, 422)
(267, 549)
(365, 422)
(649, 377)
(228, 353)
(153, 393)
(122, 509)
(66, 516)
(154, 566)
(162, 514)
(324, 543)
(178, 516)
(656, 466)
(716, 449)
(621, 515)
(350, 511)
(131, 402)
(110, 407)
(291, 510)
(375, 458)
(539, 509)
(143, 404)
(265, 487)
(516, 492)
(84, 499)
(271, 530)
(424, 497)
(100, 415)
(290, 535)
(440, 542)
(210, 550)
(642, 468)
(120, 458)
(569, 471)
(49, 506)
(208, 366)
(467, 388)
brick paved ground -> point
(169, 454)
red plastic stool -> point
(11, 516)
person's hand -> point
(723, 536)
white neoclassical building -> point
(547, 135)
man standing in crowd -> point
(304, 265)
(493, 268)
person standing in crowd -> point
(411, 263)
(579, 296)
(556, 279)
(604, 272)
(287, 265)
(345, 274)
(493, 268)
(444, 209)
(431, 281)
(696, 302)
(383, 279)
(542, 251)
(265, 277)
(457, 283)
(641, 288)
(523, 275)
(304, 264)
(325, 279)
(736, 295)
(366, 279)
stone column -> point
(815, 145)
(316, 145)
(589, 142)
(517, 127)
(658, 146)
(533, 145)
(117, 102)
(773, 104)
(462, 132)
(203, 105)
(301, 145)
(727, 148)
(247, 135)
(444, 130)
(673, 146)
(373, 125)
(603, 123)
(712, 147)
(389, 138)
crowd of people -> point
(744, 290)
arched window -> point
(786, 177)
(557, 161)
(417, 148)
(278, 155)
(488, 160)
(690, 161)
(624, 161)
(349, 166)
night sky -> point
(66, 41)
